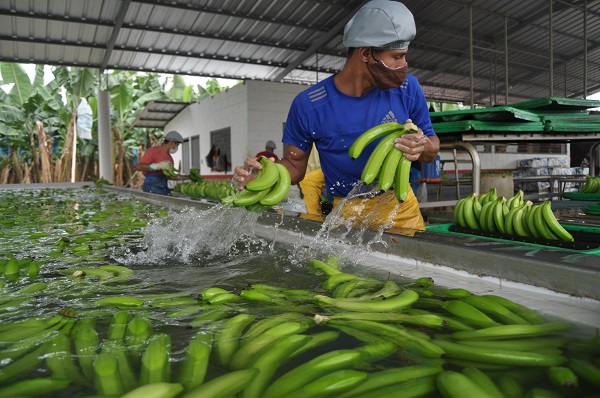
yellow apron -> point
(312, 188)
(380, 211)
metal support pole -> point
(594, 155)
(471, 57)
(472, 151)
(565, 78)
(551, 45)
(506, 59)
(104, 138)
(585, 49)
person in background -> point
(269, 151)
(373, 87)
(157, 159)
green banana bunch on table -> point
(591, 185)
(513, 216)
(386, 164)
(270, 187)
(195, 175)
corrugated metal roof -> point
(301, 41)
(157, 114)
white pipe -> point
(104, 138)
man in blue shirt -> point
(372, 88)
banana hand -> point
(370, 135)
(375, 162)
(280, 189)
(266, 178)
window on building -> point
(221, 140)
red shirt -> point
(264, 153)
(155, 154)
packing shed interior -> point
(476, 52)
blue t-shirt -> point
(333, 120)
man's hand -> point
(412, 145)
(242, 175)
(164, 165)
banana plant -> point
(77, 83)
(27, 110)
(128, 97)
(212, 87)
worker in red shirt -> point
(269, 151)
(157, 159)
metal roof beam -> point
(216, 11)
(56, 18)
(337, 28)
(115, 32)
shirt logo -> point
(389, 117)
(317, 94)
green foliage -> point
(53, 103)
(22, 87)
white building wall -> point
(268, 106)
(224, 110)
(255, 111)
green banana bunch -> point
(514, 216)
(591, 185)
(226, 341)
(310, 371)
(332, 384)
(454, 384)
(391, 378)
(371, 135)
(107, 378)
(195, 362)
(483, 380)
(270, 187)
(254, 347)
(586, 370)
(563, 377)
(195, 175)
(386, 164)
(87, 343)
(466, 212)
(155, 364)
(404, 299)
(34, 387)
(373, 167)
(271, 360)
(156, 390)
(226, 385)
(171, 172)
(547, 224)
(499, 356)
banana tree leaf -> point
(50, 97)
(84, 83)
(8, 131)
(121, 98)
(11, 114)
(38, 79)
(22, 88)
(176, 92)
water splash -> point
(340, 227)
(184, 236)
